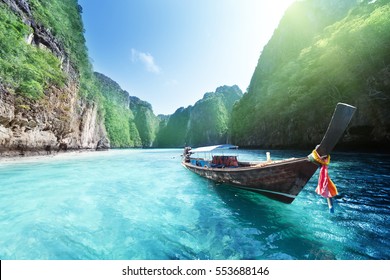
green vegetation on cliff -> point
(118, 119)
(63, 19)
(205, 123)
(173, 131)
(210, 116)
(322, 52)
(42, 45)
(145, 121)
(293, 93)
(24, 68)
(129, 121)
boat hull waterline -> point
(280, 181)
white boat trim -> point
(208, 149)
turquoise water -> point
(142, 204)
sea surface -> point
(141, 204)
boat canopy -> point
(208, 149)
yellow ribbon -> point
(319, 159)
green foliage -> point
(173, 133)
(146, 122)
(118, 119)
(23, 67)
(120, 127)
(147, 125)
(31, 89)
(209, 122)
(205, 123)
(129, 121)
(336, 65)
(63, 19)
(28, 69)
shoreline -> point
(16, 156)
(13, 156)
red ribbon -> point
(325, 187)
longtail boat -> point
(281, 180)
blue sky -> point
(171, 52)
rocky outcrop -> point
(103, 144)
(29, 127)
(58, 121)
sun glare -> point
(274, 9)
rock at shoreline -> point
(103, 144)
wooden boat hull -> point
(281, 181)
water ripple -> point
(141, 204)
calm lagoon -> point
(142, 204)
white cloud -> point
(146, 59)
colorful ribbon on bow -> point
(326, 188)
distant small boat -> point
(281, 180)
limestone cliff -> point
(130, 121)
(205, 123)
(322, 53)
(59, 118)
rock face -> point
(60, 119)
(27, 127)
(103, 144)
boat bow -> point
(280, 180)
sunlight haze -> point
(171, 52)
